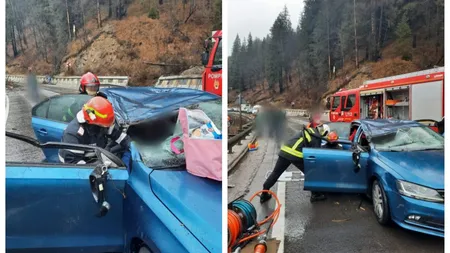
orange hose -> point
(274, 216)
(234, 227)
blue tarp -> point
(381, 127)
(136, 104)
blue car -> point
(150, 205)
(399, 164)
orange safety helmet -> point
(332, 137)
(99, 111)
(89, 84)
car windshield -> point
(160, 154)
(409, 139)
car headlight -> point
(418, 192)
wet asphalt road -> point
(19, 121)
(333, 225)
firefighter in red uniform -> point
(93, 125)
(291, 153)
(90, 85)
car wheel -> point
(380, 203)
(144, 249)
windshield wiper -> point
(425, 149)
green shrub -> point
(153, 13)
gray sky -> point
(257, 16)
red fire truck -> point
(413, 96)
(212, 60)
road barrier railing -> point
(236, 139)
(71, 81)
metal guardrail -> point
(236, 139)
(72, 81)
(188, 81)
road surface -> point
(333, 225)
(18, 120)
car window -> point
(40, 110)
(336, 101)
(410, 139)
(66, 105)
(350, 101)
(341, 129)
(218, 56)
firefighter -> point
(93, 125)
(89, 84)
(291, 153)
(332, 143)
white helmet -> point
(324, 129)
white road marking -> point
(278, 228)
(7, 108)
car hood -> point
(136, 104)
(195, 201)
(420, 167)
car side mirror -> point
(216, 68)
(206, 44)
(205, 58)
(356, 156)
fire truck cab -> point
(212, 60)
(413, 96)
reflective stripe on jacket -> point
(292, 150)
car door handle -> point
(42, 131)
(311, 158)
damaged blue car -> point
(150, 205)
(399, 164)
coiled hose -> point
(242, 220)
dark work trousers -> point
(281, 165)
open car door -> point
(331, 170)
(51, 208)
(50, 119)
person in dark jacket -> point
(93, 125)
(32, 86)
(291, 153)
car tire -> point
(144, 249)
(380, 203)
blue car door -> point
(50, 208)
(331, 170)
(50, 119)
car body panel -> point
(432, 214)
(424, 168)
(340, 177)
(48, 131)
(195, 201)
(56, 205)
(150, 218)
(419, 167)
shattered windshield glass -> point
(162, 155)
(409, 139)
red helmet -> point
(99, 111)
(332, 137)
(89, 84)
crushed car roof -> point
(136, 104)
(381, 127)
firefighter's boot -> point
(264, 197)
